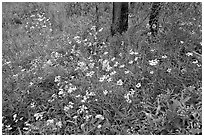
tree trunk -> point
(154, 16)
(120, 18)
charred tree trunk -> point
(154, 17)
(120, 18)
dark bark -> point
(154, 17)
(120, 18)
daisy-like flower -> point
(116, 64)
(59, 124)
(164, 56)
(57, 78)
(113, 73)
(169, 70)
(50, 122)
(105, 92)
(189, 54)
(120, 82)
(101, 79)
(153, 62)
(99, 117)
(151, 72)
(90, 74)
(109, 79)
(61, 91)
(122, 66)
(130, 62)
(138, 85)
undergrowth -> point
(67, 78)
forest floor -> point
(67, 78)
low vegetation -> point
(61, 75)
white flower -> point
(99, 116)
(127, 71)
(59, 124)
(153, 62)
(116, 64)
(49, 62)
(100, 29)
(91, 65)
(189, 54)
(122, 66)
(130, 62)
(75, 117)
(151, 72)
(99, 126)
(90, 74)
(165, 56)
(138, 85)
(50, 121)
(109, 79)
(105, 92)
(105, 53)
(112, 73)
(57, 78)
(60, 91)
(113, 59)
(101, 79)
(120, 82)
(38, 115)
(169, 70)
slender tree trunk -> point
(154, 17)
(120, 18)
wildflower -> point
(75, 117)
(165, 56)
(38, 115)
(112, 73)
(32, 105)
(169, 70)
(113, 59)
(105, 65)
(91, 65)
(57, 78)
(120, 82)
(68, 107)
(87, 117)
(105, 92)
(189, 54)
(93, 28)
(116, 64)
(101, 79)
(71, 89)
(130, 62)
(105, 53)
(195, 62)
(49, 62)
(131, 52)
(50, 121)
(90, 74)
(99, 126)
(60, 91)
(14, 116)
(99, 116)
(138, 85)
(109, 79)
(151, 72)
(82, 109)
(59, 124)
(122, 66)
(153, 62)
(100, 29)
